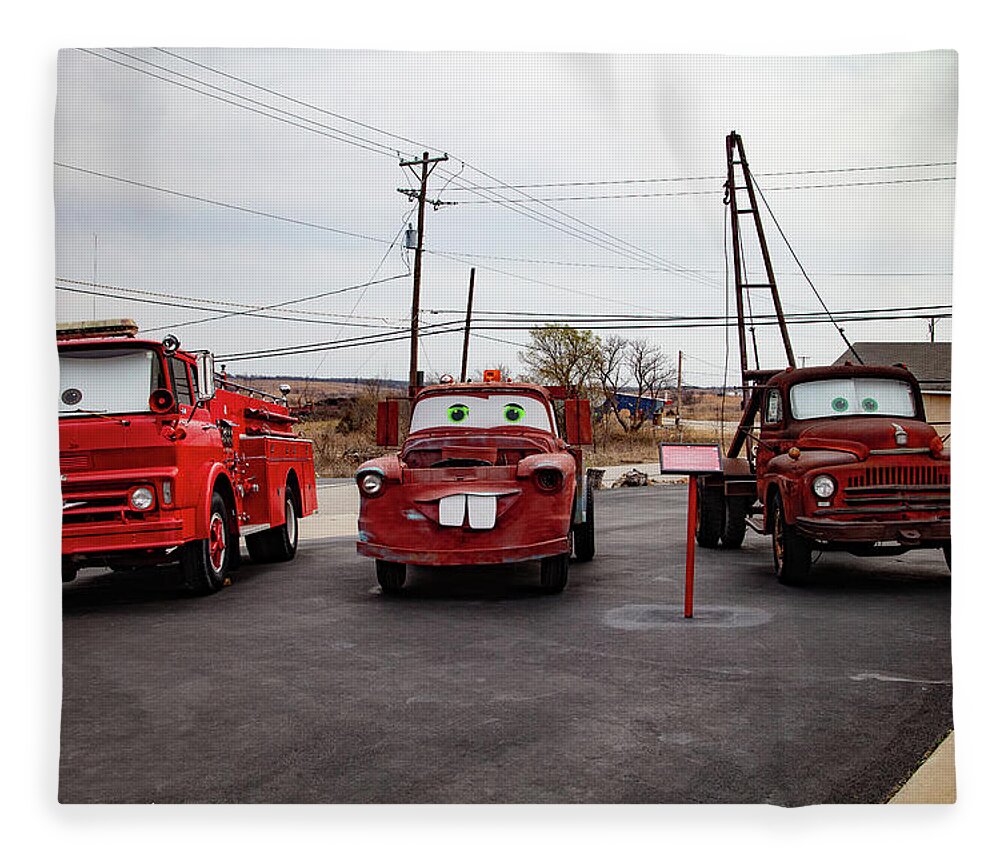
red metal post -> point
(689, 573)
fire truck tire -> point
(555, 573)
(583, 533)
(68, 571)
(791, 551)
(205, 563)
(710, 514)
(391, 576)
(947, 554)
(734, 529)
(281, 542)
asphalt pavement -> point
(303, 683)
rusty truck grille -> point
(899, 488)
(478, 473)
(901, 476)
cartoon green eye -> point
(839, 404)
(458, 413)
(869, 404)
(513, 412)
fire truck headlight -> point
(370, 483)
(141, 499)
(824, 486)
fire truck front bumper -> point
(476, 556)
(166, 529)
(925, 532)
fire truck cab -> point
(482, 478)
(162, 460)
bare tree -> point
(653, 373)
(613, 374)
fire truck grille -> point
(104, 504)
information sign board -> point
(681, 458)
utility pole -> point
(677, 409)
(468, 326)
(427, 165)
(931, 324)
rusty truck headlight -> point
(370, 483)
(141, 499)
(548, 480)
(824, 486)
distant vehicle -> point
(483, 478)
(163, 461)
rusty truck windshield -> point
(831, 398)
(113, 381)
(465, 409)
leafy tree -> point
(560, 355)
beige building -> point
(930, 363)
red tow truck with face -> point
(483, 478)
(162, 461)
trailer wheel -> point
(735, 528)
(710, 513)
(391, 575)
(555, 573)
(791, 551)
(205, 563)
(583, 533)
(281, 542)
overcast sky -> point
(510, 118)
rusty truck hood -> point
(872, 433)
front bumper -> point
(167, 529)
(472, 556)
(932, 532)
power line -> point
(716, 191)
(600, 182)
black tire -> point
(792, 553)
(391, 576)
(734, 528)
(947, 554)
(583, 533)
(281, 542)
(206, 563)
(68, 571)
(555, 573)
(710, 514)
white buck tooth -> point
(482, 511)
(451, 510)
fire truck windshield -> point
(466, 409)
(113, 381)
(829, 398)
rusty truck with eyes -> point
(483, 478)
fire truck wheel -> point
(391, 575)
(555, 573)
(281, 542)
(735, 528)
(947, 554)
(205, 563)
(710, 514)
(583, 533)
(792, 552)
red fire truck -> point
(164, 461)
(483, 478)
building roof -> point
(930, 363)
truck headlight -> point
(548, 480)
(370, 483)
(824, 486)
(141, 499)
